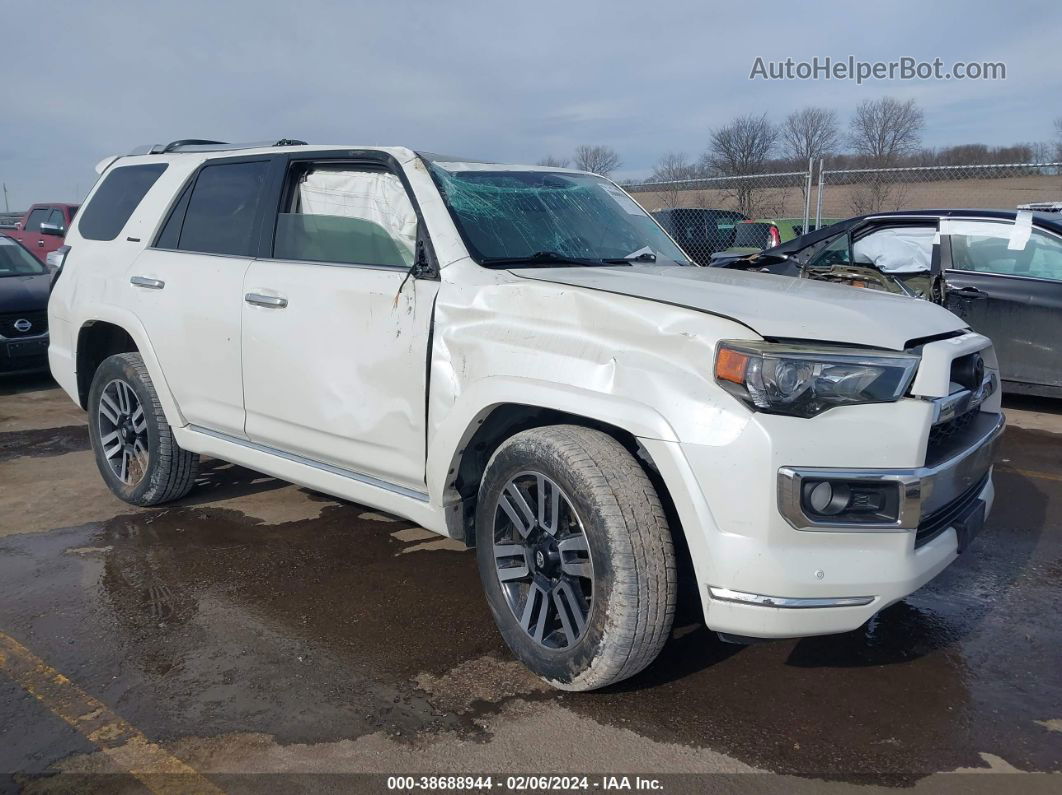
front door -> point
(335, 338)
(1008, 286)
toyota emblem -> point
(22, 325)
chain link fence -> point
(745, 213)
(1001, 186)
(710, 215)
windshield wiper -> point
(551, 258)
(645, 256)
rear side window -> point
(116, 199)
(222, 209)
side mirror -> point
(52, 229)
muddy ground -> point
(256, 628)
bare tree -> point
(808, 134)
(555, 162)
(883, 131)
(601, 160)
(1058, 138)
(741, 149)
(673, 169)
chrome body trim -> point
(948, 408)
(368, 480)
(269, 301)
(144, 281)
(922, 490)
(789, 602)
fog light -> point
(824, 498)
(855, 501)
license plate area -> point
(970, 524)
(18, 349)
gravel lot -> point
(256, 627)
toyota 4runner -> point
(521, 358)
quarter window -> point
(992, 247)
(348, 215)
(116, 199)
(222, 210)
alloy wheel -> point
(123, 432)
(543, 560)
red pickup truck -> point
(43, 228)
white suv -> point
(521, 358)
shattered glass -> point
(507, 214)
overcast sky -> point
(495, 80)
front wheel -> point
(135, 450)
(575, 556)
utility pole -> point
(7, 207)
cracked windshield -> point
(552, 218)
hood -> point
(24, 293)
(772, 306)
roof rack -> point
(204, 145)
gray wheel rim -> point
(123, 432)
(543, 561)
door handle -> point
(40, 243)
(970, 292)
(271, 301)
(144, 281)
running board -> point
(358, 477)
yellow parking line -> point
(1029, 473)
(126, 746)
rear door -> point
(1008, 286)
(187, 288)
(335, 337)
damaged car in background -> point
(519, 357)
(999, 270)
(894, 252)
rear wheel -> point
(134, 445)
(575, 556)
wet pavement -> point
(255, 626)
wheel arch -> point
(108, 333)
(498, 420)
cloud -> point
(486, 79)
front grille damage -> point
(944, 517)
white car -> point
(521, 358)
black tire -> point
(633, 568)
(170, 471)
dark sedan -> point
(1000, 270)
(24, 283)
(700, 232)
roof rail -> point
(203, 145)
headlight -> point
(805, 380)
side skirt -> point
(316, 475)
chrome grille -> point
(12, 328)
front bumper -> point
(764, 574)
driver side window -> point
(346, 214)
(991, 247)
